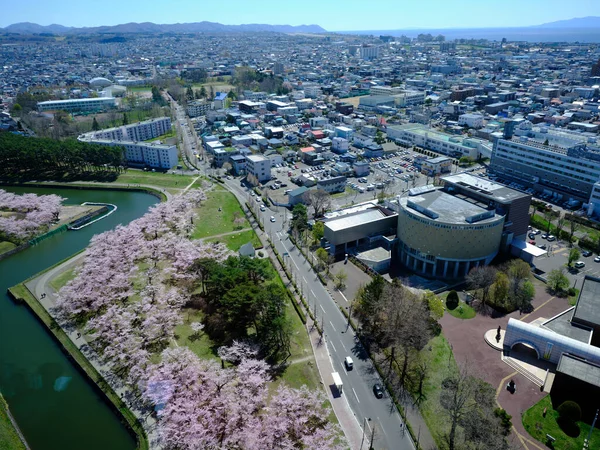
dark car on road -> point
(378, 391)
(586, 253)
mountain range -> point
(149, 27)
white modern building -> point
(259, 166)
(471, 120)
(78, 104)
(409, 98)
(386, 90)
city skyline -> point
(350, 15)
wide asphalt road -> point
(378, 416)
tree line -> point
(20, 156)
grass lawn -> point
(212, 221)
(6, 246)
(9, 439)
(139, 88)
(538, 426)
(165, 136)
(462, 311)
(441, 364)
(62, 279)
(573, 298)
(201, 344)
(164, 180)
(235, 241)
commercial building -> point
(258, 166)
(78, 105)
(445, 236)
(436, 166)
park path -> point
(227, 234)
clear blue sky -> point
(333, 15)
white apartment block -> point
(151, 154)
(140, 131)
(386, 90)
(471, 120)
(311, 90)
(78, 104)
(259, 166)
(369, 52)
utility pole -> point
(586, 443)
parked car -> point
(272, 219)
(586, 253)
(531, 235)
(551, 238)
(545, 236)
(579, 264)
(378, 390)
(597, 259)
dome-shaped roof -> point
(99, 82)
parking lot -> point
(394, 173)
(557, 257)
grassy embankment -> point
(9, 437)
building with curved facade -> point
(444, 236)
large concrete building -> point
(445, 236)
(139, 131)
(78, 105)
(258, 166)
(144, 154)
(567, 170)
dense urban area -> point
(345, 241)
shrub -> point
(570, 411)
(452, 300)
(504, 419)
(571, 292)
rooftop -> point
(485, 187)
(355, 219)
(562, 324)
(588, 304)
(440, 206)
(579, 368)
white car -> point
(272, 219)
(579, 264)
(349, 363)
(262, 208)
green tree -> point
(340, 279)
(16, 110)
(318, 231)
(368, 302)
(322, 256)
(452, 299)
(574, 255)
(232, 95)
(125, 119)
(212, 92)
(189, 93)
(202, 91)
(95, 125)
(299, 217)
(156, 97)
(501, 288)
(434, 304)
(557, 280)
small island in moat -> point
(30, 217)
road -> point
(379, 415)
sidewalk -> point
(413, 416)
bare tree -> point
(548, 217)
(481, 279)
(319, 199)
(573, 227)
(560, 223)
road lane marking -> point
(332, 326)
(355, 395)
(313, 293)
(343, 345)
(332, 346)
(323, 309)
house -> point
(219, 100)
(361, 168)
(340, 145)
(238, 164)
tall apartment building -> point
(78, 104)
(151, 154)
(562, 169)
(198, 108)
(139, 131)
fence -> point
(38, 239)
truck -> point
(337, 380)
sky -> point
(333, 15)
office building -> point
(198, 108)
(143, 154)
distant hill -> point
(579, 22)
(149, 27)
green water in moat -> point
(54, 404)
